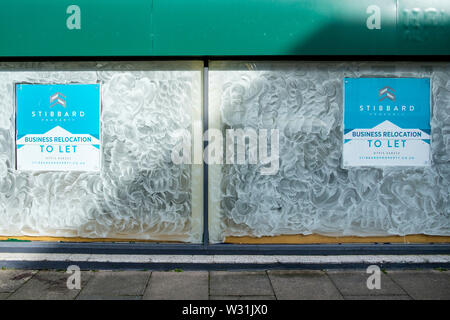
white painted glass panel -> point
(139, 192)
(312, 192)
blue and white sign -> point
(386, 122)
(58, 127)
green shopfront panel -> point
(225, 27)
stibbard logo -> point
(386, 109)
(57, 98)
(386, 92)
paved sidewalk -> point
(242, 285)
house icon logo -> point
(386, 92)
(57, 99)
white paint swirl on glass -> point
(139, 193)
(311, 193)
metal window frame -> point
(206, 248)
(145, 248)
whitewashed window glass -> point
(311, 192)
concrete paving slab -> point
(49, 285)
(242, 297)
(402, 297)
(257, 298)
(426, 284)
(186, 285)
(11, 280)
(303, 285)
(224, 283)
(115, 284)
(354, 283)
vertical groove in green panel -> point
(152, 33)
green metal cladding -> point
(223, 27)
